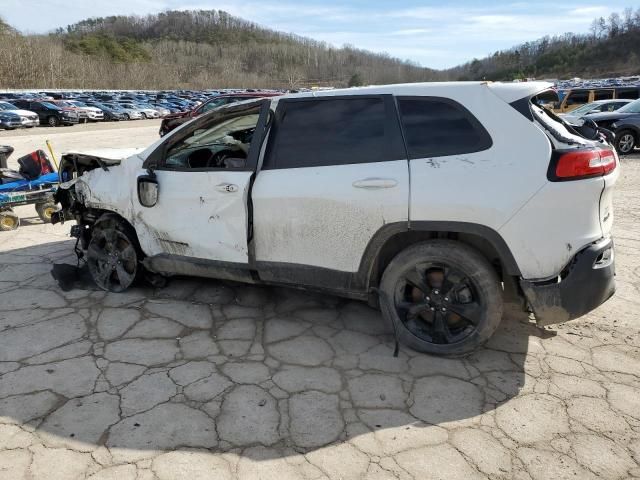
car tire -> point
(53, 121)
(441, 297)
(126, 116)
(113, 254)
(143, 116)
(625, 142)
(9, 221)
(45, 210)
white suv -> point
(435, 201)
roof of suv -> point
(509, 92)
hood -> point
(114, 154)
(23, 113)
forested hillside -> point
(209, 49)
(611, 48)
(189, 49)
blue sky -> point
(433, 34)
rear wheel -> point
(112, 256)
(441, 297)
(45, 210)
(53, 121)
(625, 142)
(126, 116)
(8, 221)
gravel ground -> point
(206, 379)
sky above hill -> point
(427, 32)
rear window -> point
(439, 126)
(329, 131)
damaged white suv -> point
(435, 201)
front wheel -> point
(441, 297)
(625, 142)
(112, 256)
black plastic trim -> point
(507, 259)
(584, 286)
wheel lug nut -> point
(427, 298)
(433, 309)
(436, 292)
(444, 309)
(446, 299)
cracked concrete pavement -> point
(207, 379)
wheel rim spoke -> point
(441, 327)
(98, 253)
(103, 274)
(416, 279)
(469, 311)
(413, 309)
(124, 277)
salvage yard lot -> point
(209, 379)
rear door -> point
(334, 173)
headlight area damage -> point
(73, 191)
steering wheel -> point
(200, 158)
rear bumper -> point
(586, 283)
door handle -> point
(227, 187)
(375, 183)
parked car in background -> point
(162, 111)
(48, 113)
(109, 113)
(170, 122)
(598, 106)
(82, 114)
(576, 97)
(146, 112)
(12, 117)
(625, 123)
(94, 114)
(129, 113)
(350, 192)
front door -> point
(204, 173)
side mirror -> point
(147, 190)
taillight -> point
(577, 164)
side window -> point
(603, 94)
(223, 142)
(333, 131)
(213, 104)
(435, 127)
(577, 98)
(628, 94)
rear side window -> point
(603, 94)
(577, 98)
(435, 127)
(628, 94)
(330, 131)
